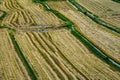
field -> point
(99, 36)
(52, 40)
(34, 15)
(110, 13)
(11, 66)
(51, 60)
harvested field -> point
(59, 55)
(52, 40)
(11, 66)
(102, 38)
(107, 10)
(34, 15)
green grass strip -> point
(94, 49)
(1, 27)
(94, 17)
(46, 0)
(22, 57)
(118, 1)
(4, 14)
(86, 42)
(2, 17)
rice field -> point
(37, 42)
(34, 15)
(102, 38)
(59, 55)
(11, 66)
(107, 10)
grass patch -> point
(86, 42)
(22, 57)
(94, 17)
(118, 1)
(4, 14)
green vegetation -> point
(22, 57)
(94, 49)
(86, 42)
(52, 40)
(44, 0)
(4, 14)
(94, 17)
(116, 1)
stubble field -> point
(37, 41)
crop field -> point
(1, 14)
(107, 10)
(94, 32)
(11, 67)
(51, 60)
(34, 15)
(53, 40)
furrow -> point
(43, 63)
(50, 61)
(12, 68)
(55, 57)
(102, 38)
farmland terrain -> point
(105, 12)
(59, 40)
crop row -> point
(108, 42)
(51, 60)
(10, 5)
(54, 55)
(22, 57)
(84, 40)
(30, 16)
(94, 17)
(11, 66)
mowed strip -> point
(59, 55)
(11, 66)
(25, 14)
(41, 16)
(19, 19)
(100, 37)
(9, 6)
(110, 13)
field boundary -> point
(1, 18)
(4, 14)
(22, 57)
(118, 1)
(94, 17)
(84, 40)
